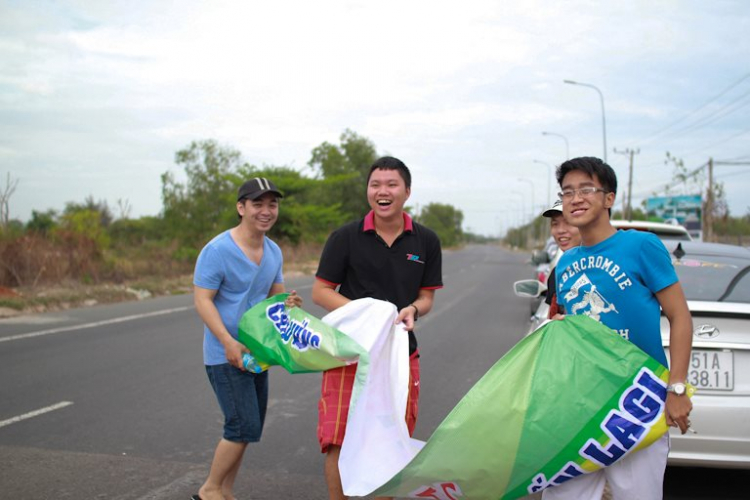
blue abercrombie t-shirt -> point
(614, 282)
(240, 284)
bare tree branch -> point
(5, 193)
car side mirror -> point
(529, 288)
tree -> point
(90, 205)
(445, 220)
(136, 232)
(345, 168)
(306, 212)
(204, 205)
(124, 208)
(86, 223)
(42, 222)
(5, 193)
(690, 182)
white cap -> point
(555, 209)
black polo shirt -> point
(357, 260)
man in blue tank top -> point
(623, 280)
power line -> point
(722, 141)
(661, 186)
(646, 192)
(736, 158)
(732, 174)
(652, 137)
(712, 117)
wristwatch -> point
(678, 388)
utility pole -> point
(629, 210)
(708, 217)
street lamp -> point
(531, 183)
(533, 213)
(549, 181)
(604, 121)
(523, 234)
(567, 147)
(523, 208)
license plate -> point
(712, 370)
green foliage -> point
(345, 168)
(134, 232)
(86, 223)
(101, 208)
(478, 238)
(304, 213)
(42, 222)
(16, 303)
(85, 242)
(13, 228)
(636, 214)
(204, 205)
(732, 226)
(529, 236)
(445, 220)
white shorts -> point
(639, 475)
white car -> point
(716, 281)
(664, 231)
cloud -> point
(96, 97)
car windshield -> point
(714, 278)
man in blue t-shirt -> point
(237, 269)
(623, 280)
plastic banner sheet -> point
(569, 399)
(296, 340)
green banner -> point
(295, 339)
(569, 399)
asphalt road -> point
(112, 402)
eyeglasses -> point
(584, 192)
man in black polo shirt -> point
(385, 256)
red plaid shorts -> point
(336, 391)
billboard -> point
(684, 209)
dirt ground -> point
(18, 301)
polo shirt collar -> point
(369, 224)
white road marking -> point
(95, 324)
(35, 413)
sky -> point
(97, 97)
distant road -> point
(112, 402)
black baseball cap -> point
(255, 188)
